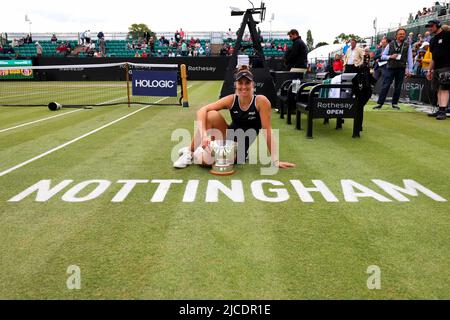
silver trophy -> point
(224, 154)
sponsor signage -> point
(335, 108)
(155, 83)
(17, 73)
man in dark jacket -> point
(440, 66)
(297, 56)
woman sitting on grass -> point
(249, 112)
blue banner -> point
(155, 83)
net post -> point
(184, 86)
(127, 77)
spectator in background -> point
(427, 37)
(224, 50)
(54, 39)
(87, 36)
(296, 58)
(338, 63)
(354, 58)
(182, 34)
(417, 70)
(380, 65)
(367, 57)
(399, 56)
(230, 36)
(144, 54)
(171, 54)
(62, 49)
(147, 37)
(285, 47)
(201, 51)
(418, 15)
(184, 49)
(419, 38)
(177, 37)
(38, 49)
(152, 44)
(440, 64)
(82, 37)
(28, 39)
(426, 59)
(346, 47)
(207, 49)
(102, 46)
(101, 35)
(411, 38)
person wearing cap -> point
(296, 58)
(440, 65)
(427, 58)
(249, 113)
(399, 55)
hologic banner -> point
(155, 83)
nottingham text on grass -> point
(271, 191)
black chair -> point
(328, 108)
(301, 100)
(283, 97)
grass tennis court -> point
(226, 250)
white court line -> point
(37, 121)
(69, 143)
(4, 173)
(59, 115)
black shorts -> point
(436, 84)
(249, 136)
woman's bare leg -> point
(217, 129)
(214, 120)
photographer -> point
(439, 73)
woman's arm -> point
(265, 112)
(202, 114)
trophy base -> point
(222, 170)
(222, 174)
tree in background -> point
(309, 40)
(137, 30)
(321, 44)
(343, 38)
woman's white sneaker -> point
(184, 161)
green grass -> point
(252, 250)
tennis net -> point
(74, 86)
